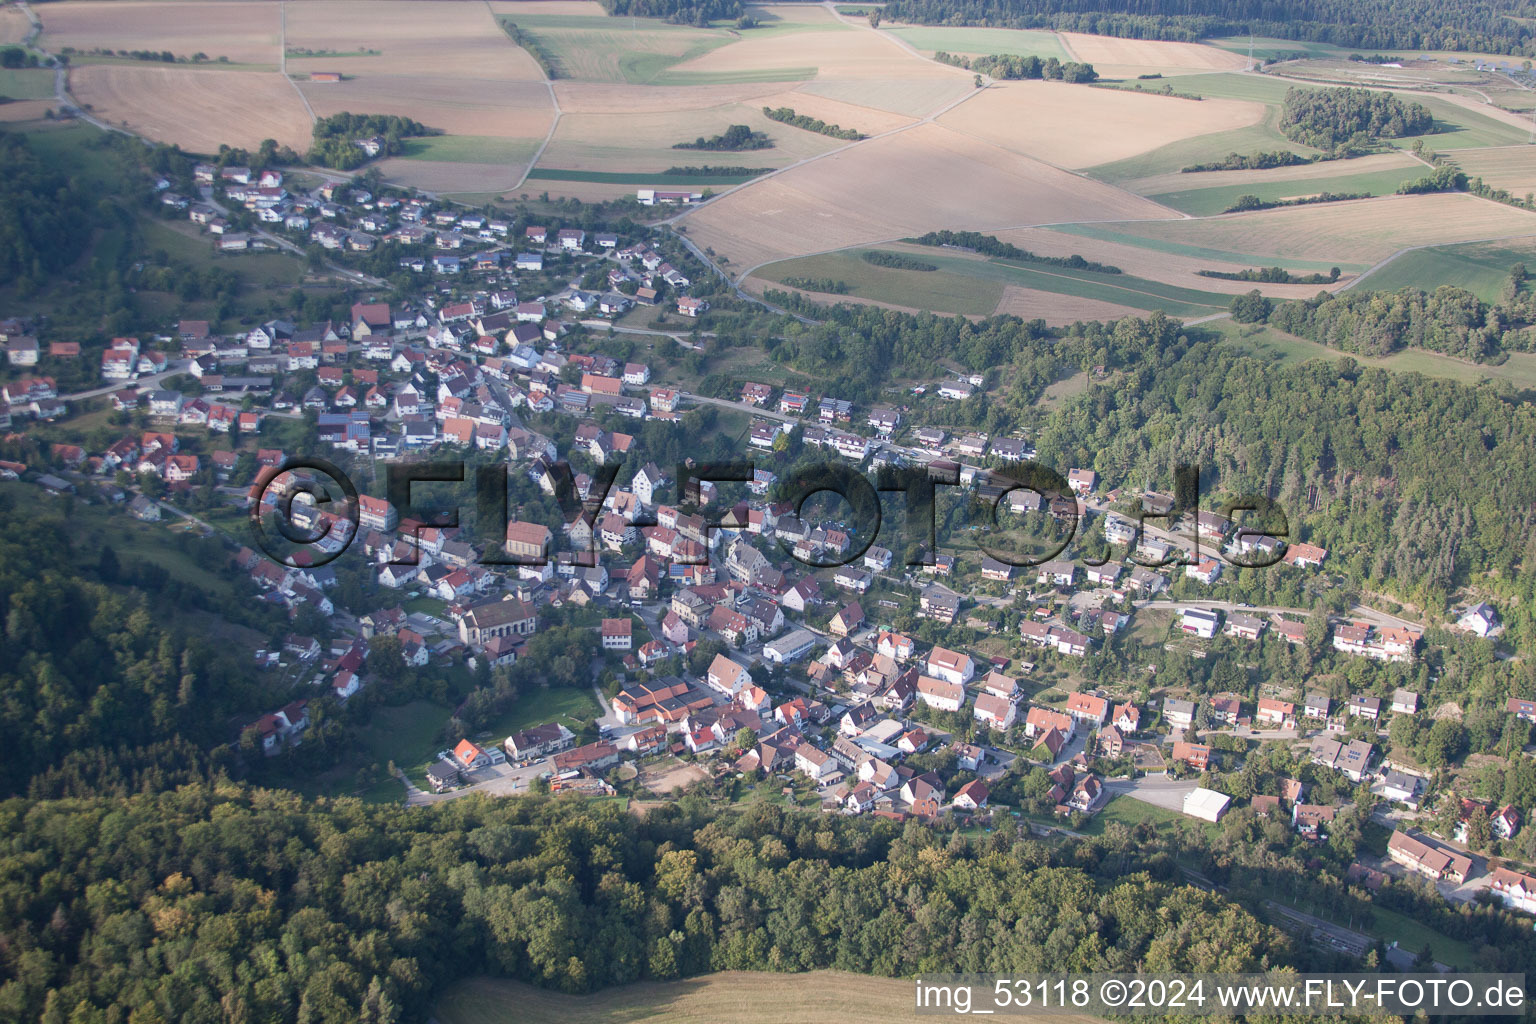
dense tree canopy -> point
(1489, 26)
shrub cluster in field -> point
(1330, 118)
(734, 139)
(1014, 67)
(896, 260)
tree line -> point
(1353, 24)
(735, 138)
(681, 12)
(1013, 66)
(991, 245)
(787, 115)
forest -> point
(1329, 118)
(1183, 397)
(1450, 320)
(1485, 26)
(46, 218)
(682, 12)
(220, 902)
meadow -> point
(981, 287)
(812, 997)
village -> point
(821, 684)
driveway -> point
(1157, 790)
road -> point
(746, 407)
(172, 368)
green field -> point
(572, 707)
(635, 178)
(1459, 128)
(1203, 202)
(974, 287)
(641, 51)
(1262, 137)
(468, 149)
(1109, 234)
(1015, 42)
(1480, 267)
(26, 83)
(1130, 812)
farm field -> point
(26, 83)
(643, 142)
(1166, 266)
(441, 40)
(14, 25)
(981, 41)
(1513, 168)
(1480, 267)
(1204, 202)
(457, 106)
(1160, 184)
(975, 286)
(1364, 231)
(597, 48)
(742, 996)
(1201, 149)
(852, 63)
(904, 184)
(244, 32)
(1044, 120)
(1126, 58)
(210, 108)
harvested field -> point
(196, 110)
(608, 98)
(981, 41)
(866, 119)
(1156, 265)
(745, 997)
(1176, 182)
(14, 26)
(1127, 58)
(24, 110)
(911, 97)
(1073, 126)
(918, 180)
(853, 64)
(643, 142)
(1057, 309)
(440, 40)
(246, 33)
(602, 49)
(1513, 168)
(1359, 232)
(454, 176)
(457, 106)
(664, 777)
